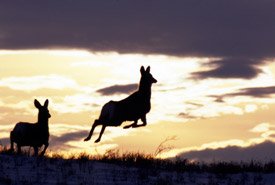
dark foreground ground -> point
(130, 168)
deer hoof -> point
(96, 141)
(87, 139)
(126, 127)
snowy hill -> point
(44, 170)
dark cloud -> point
(218, 99)
(61, 142)
(230, 68)
(186, 115)
(256, 92)
(262, 152)
(58, 142)
(118, 89)
(194, 104)
(231, 30)
(73, 136)
(184, 28)
(5, 141)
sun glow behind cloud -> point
(51, 81)
(72, 78)
(266, 130)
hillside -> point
(112, 168)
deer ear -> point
(142, 70)
(148, 69)
(37, 104)
(46, 103)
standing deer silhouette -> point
(33, 135)
(132, 108)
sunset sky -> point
(214, 62)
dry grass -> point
(130, 167)
(142, 160)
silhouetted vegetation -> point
(115, 167)
(149, 161)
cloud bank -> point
(240, 32)
(118, 89)
(255, 92)
(183, 28)
(231, 68)
(260, 152)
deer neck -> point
(145, 90)
(43, 122)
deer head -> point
(147, 78)
(43, 114)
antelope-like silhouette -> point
(132, 108)
(33, 135)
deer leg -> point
(11, 149)
(45, 148)
(131, 125)
(35, 148)
(92, 130)
(18, 149)
(101, 132)
(143, 119)
(11, 141)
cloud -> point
(255, 92)
(263, 152)
(5, 134)
(58, 143)
(263, 127)
(65, 137)
(5, 141)
(261, 148)
(187, 116)
(251, 108)
(61, 142)
(230, 68)
(68, 137)
(182, 28)
(118, 89)
(258, 92)
(37, 82)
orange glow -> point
(181, 106)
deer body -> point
(33, 134)
(132, 108)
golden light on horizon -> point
(181, 105)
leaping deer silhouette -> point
(132, 108)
